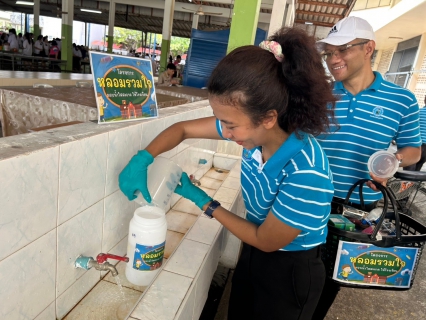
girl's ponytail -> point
(307, 84)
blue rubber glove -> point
(187, 190)
(134, 176)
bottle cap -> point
(383, 164)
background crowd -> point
(40, 46)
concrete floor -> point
(368, 304)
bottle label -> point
(148, 258)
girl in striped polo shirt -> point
(272, 101)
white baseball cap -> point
(347, 30)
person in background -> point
(153, 63)
(271, 100)
(38, 47)
(371, 112)
(418, 166)
(177, 64)
(27, 51)
(166, 77)
(58, 43)
(76, 58)
(13, 40)
(20, 41)
(27, 48)
(46, 46)
(6, 36)
(84, 53)
(177, 60)
(3, 38)
(53, 54)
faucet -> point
(100, 264)
(194, 181)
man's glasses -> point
(341, 51)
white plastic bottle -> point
(146, 244)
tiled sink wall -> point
(59, 198)
(180, 290)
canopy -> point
(101, 43)
(150, 51)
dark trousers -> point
(276, 285)
(331, 288)
(418, 166)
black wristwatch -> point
(212, 207)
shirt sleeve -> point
(409, 127)
(303, 200)
(160, 79)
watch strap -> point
(212, 207)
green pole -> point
(110, 40)
(165, 48)
(66, 45)
(244, 23)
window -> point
(403, 61)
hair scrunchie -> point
(273, 47)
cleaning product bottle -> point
(146, 244)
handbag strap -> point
(360, 184)
(391, 196)
(387, 195)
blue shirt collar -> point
(338, 85)
(285, 153)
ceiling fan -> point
(200, 11)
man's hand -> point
(382, 181)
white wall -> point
(59, 198)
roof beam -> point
(156, 4)
(316, 23)
(321, 14)
(323, 4)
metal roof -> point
(317, 12)
(322, 12)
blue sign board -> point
(366, 264)
(124, 87)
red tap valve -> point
(102, 257)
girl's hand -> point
(135, 175)
(187, 190)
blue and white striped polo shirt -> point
(368, 122)
(295, 184)
(423, 124)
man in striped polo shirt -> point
(418, 166)
(370, 113)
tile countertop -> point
(86, 96)
(190, 93)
